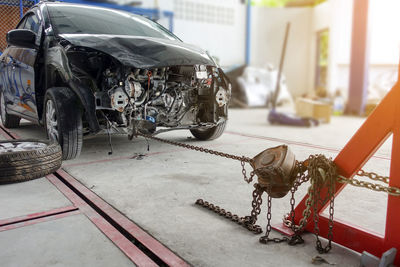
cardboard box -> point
(308, 108)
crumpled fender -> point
(57, 61)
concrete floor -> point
(158, 190)
(70, 241)
(30, 197)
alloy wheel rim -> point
(6, 147)
(51, 121)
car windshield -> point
(74, 19)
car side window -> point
(32, 23)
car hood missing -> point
(142, 52)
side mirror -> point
(22, 38)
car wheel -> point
(23, 160)
(9, 121)
(63, 120)
(209, 133)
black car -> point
(81, 70)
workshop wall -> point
(217, 26)
(268, 30)
(336, 16)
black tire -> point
(8, 121)
(68, 118)
(209, 133)
(30, 163)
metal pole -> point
(21, 9)
(359, 64)
(278, 79)
(248, 31)
(171, 22)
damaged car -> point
(83, 70)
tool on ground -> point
(318, 260)
(279, 173)
(275, 117)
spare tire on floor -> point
(23, 160)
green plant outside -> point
(323, 48)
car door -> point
(23, 71)
(7, 81)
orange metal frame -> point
(384, 120)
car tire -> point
(209, 133)
(8, 121)
(23, 160)
(63, 120)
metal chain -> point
(394, 191)
(246, 179)
(391, 190)
(247, 222)
(198, 148)
(243, 160)
(373, 176)
(321, 172)
(317, 169)
(266, 239)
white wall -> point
(335, 15)
(223, 39)
(268, 30)
(384, 31)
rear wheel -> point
(63, 120)
(209, 133)
(9, 121)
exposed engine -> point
(174, 97)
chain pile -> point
(317, 169)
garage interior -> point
(337, 66)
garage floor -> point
(157, 189)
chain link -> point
(266, 239)
(247, 222)
(243, 160)
(246, 179)
(198, 148)
(393, 191)
(373, 176)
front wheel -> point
(63, 120)
(9, 121)
(209, 133)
